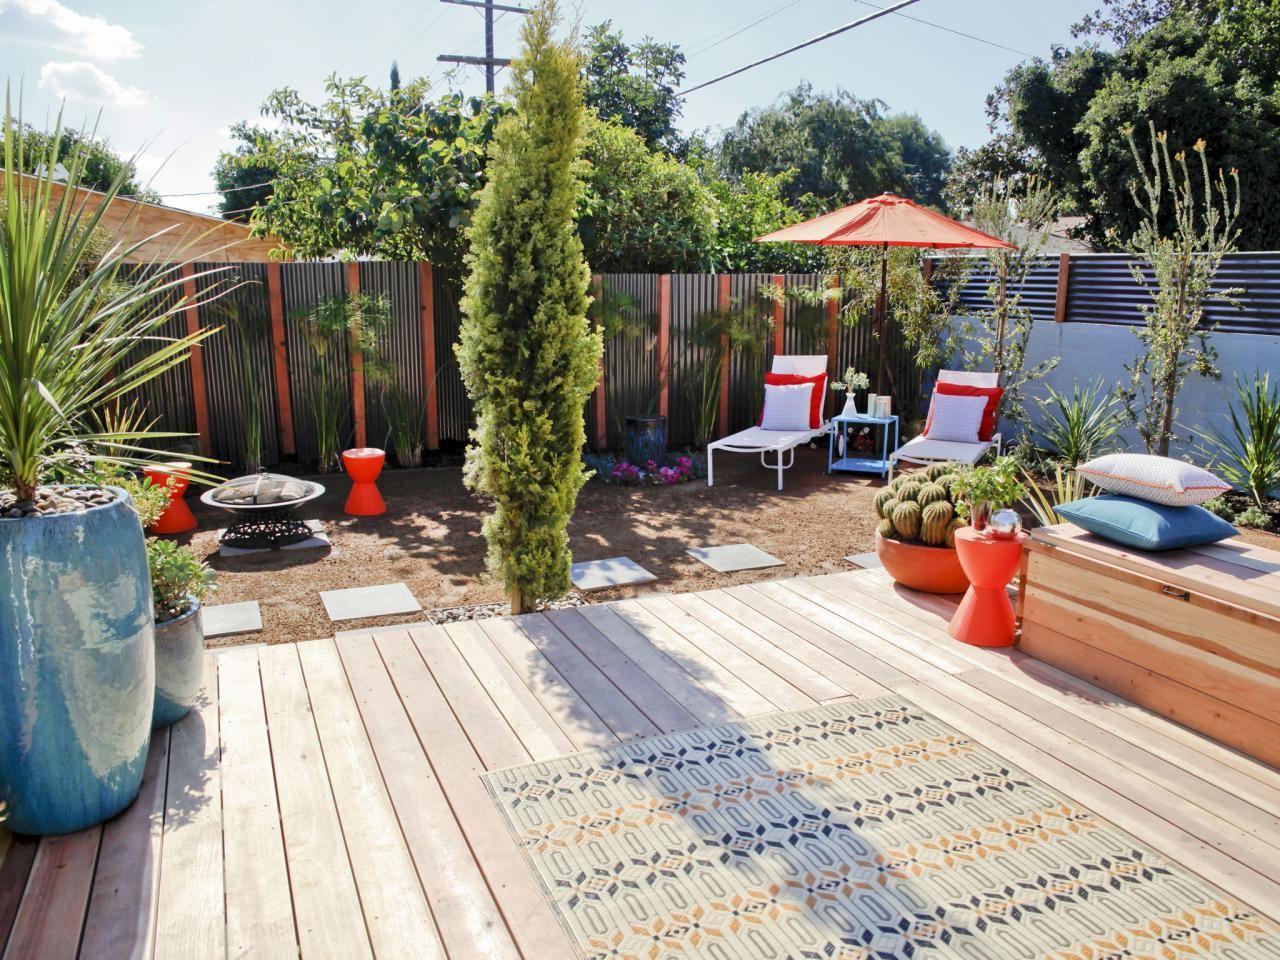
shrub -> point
(177, 576)
(529, 358)
(1080, 426)
(1249, 456)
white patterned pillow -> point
(1174, 483)
(956, 418)
(786, 407)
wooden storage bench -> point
(1191, 634)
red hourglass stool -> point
(363, 466)
(177, 517)
(985, 615)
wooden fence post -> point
(779, 313)
(1064, 283)
(357, 361)
(284, 401)
(722, 304)
(601, 425)
(664, 344)
(833, 328)
(430, 372)
(199, 395)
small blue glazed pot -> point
(646, 440)
(77, 667)
(179, 666)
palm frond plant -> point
(1068, 486)
(70, 330)
(1248, 456)
(1080, 426)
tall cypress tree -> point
(529, 358)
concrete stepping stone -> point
(223, 619)
(734, 556)
(867, 561)
(380, 601)
(614, 572)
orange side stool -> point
(177, 517)
(363, 465)
(985, 615)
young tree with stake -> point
(529, 358)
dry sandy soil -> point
(430, 539)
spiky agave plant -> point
(72, 322)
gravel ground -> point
(430, 538)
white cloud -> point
(48, 22)
(77, 80)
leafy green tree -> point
(748, 208)
(528, 355)
(387, 173)
(841, 148)
(101, 168)
(1001, 158)
(245, 182)
(642, 210)
(634, 85)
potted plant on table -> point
(179, 582)
(852, 382)
(77, 657)
(915, 540)
(982, 491)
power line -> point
(488, 61)
(958, 33)
(742, 26)
(799, 46)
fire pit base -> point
(266, 533)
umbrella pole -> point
(882, 309)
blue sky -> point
(171, 77)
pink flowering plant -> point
(680, 468)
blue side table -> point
(839, 430)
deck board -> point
(325, 798)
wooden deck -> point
(325, 798)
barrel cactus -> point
(918, 507)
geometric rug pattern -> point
(865, 829)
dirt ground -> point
(430, 538)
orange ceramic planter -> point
(927, 569)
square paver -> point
(867, 561)
(380, 601)
(614, 572)
(223, 619)
(734, 556)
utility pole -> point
(488, 61)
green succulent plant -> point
(920, 508)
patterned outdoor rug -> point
(854, 830)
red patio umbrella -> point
(885, 221)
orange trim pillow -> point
(1163, 480)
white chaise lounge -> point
(781, 443)
(923, 451)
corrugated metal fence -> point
(260, 367)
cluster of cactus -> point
(918, 507)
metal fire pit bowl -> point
(263, 504)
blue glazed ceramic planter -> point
(179, 666)
(77, 667)
(646, 440)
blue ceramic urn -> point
(179, 665)
(77, 666)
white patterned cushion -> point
(956, 418)
(1174, 483)
(786, 407)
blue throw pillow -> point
(1146, 525)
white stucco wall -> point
(1091, 351)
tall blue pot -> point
(77, 667)
(646, 440)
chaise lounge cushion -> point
(1175, 483)
(1146, 525)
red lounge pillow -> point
(819, 382)
(987, 429)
